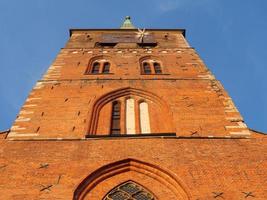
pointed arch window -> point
(133, 120)
(115, 118)
(129, 191)
(123, 110)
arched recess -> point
(171, 187)
(96, 58)
(129, 190)
(151, 59)
(167, 121)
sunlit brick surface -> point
(210, 155)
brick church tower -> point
(130, 114)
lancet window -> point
(115, 118)
(135, 118)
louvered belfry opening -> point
(95, 69)
(157, 68)
(115, 118)
(106, 67)
(129, 191)
(146, 68)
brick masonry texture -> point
(231, 166)
(59, 145)
(196, 100)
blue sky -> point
(229, 35)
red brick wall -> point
(203, 166)
(60, 105)
(212, 155)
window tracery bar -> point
(129, 191)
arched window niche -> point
(99, 65)
(150, 65)
(130, 111)
(131, 179)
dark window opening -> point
(106, 68)
(115, 118)
(105, 45)
(129, 191)
(95, 69)
(147, 45)
(157, 68)
(146, 67)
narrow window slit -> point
(115, 118)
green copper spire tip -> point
(127, 24)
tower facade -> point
(131, 114)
